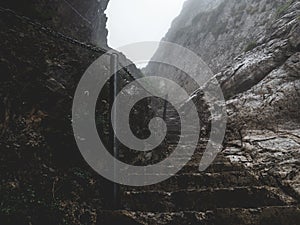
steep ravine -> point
(253, 49)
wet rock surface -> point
(254, 181)
(235, 189)
(264, 215)
(273, 155)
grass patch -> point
(282, 9)
(251, 45)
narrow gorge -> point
(252, 49)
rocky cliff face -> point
(83, 20)
(252, 47)
(218, 31)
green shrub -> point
(251, 45)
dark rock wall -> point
(38, 153)
(44, 179)
(83, 20)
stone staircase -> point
(225, 193)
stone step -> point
(216, 167)
(174, 133)
(202, 180)
(274, 215)
(213, 168)
(203, 199)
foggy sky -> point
(140, 20)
